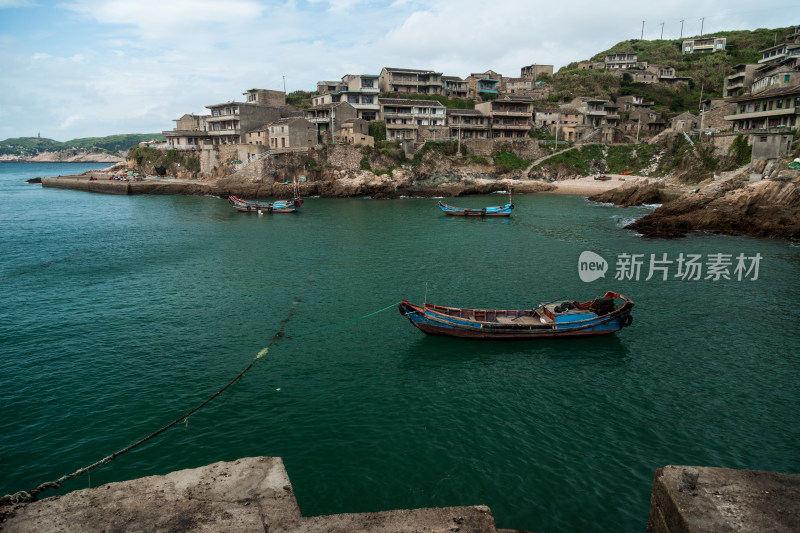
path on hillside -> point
(536, 162)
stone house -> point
(404, 118)
(328, 117)
(410, 81)
(293, 133)
(510, 116)
(258, 136)
(632, 102)
(455, 87)
(533, 72)
(467, 124)
(356, 132)
(638, 75)
(265, 97)
(685, 123)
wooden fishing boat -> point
(603, 315)
(280, 206)
(496, 211)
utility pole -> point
(284, 85)
(681, 37)
(662, 31)
(642, 37)
(638, 127)
(459, 136)
(702, 21)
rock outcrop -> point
(729, 205)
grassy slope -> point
(708, 71)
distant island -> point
(111, 149)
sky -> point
(91, 68)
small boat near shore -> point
(496, 211)
(280, 206)
(566, 318)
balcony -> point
(220, 118)
(519, 127)
(223, 133)
(406, 115)
(596, 113)
(763, 114)
(511, 113)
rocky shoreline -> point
(729, 204)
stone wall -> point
(345, 156)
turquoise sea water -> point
(120, 313)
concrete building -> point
(359, 90)
(510, 116)
(405, 117)
(455, 87)
(533, 72)
(484, 84)
(773, 108)
(624, 61)
(325, 87)
(328, 117)
(292, 133)
(467, 124)
(632, 102)
(410, 81)
(265, 97)
(740, 80)
(189, 133)
(703, 44)
(771, 145)
(230, 121)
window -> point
(786, 78)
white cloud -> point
(115, 66)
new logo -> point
(591, 266)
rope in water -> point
(27, 496)
(341, 324)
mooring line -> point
(27, 496)
(342, 324)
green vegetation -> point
(707, 70)
(740, 151)
(505, 161)
(113, 144)
(377, 129)
(619, 159)
(301, 99)
(364, 163)
(147, 159)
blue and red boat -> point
(566, 318)
(496, 211)
(280, 206)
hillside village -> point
(415, 106)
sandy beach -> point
(588, 185)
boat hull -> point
(281, 206)
(496, 211)
(541, 322)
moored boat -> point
(496, 211)
(280, 206)
(603, 315)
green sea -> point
(118, 314)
